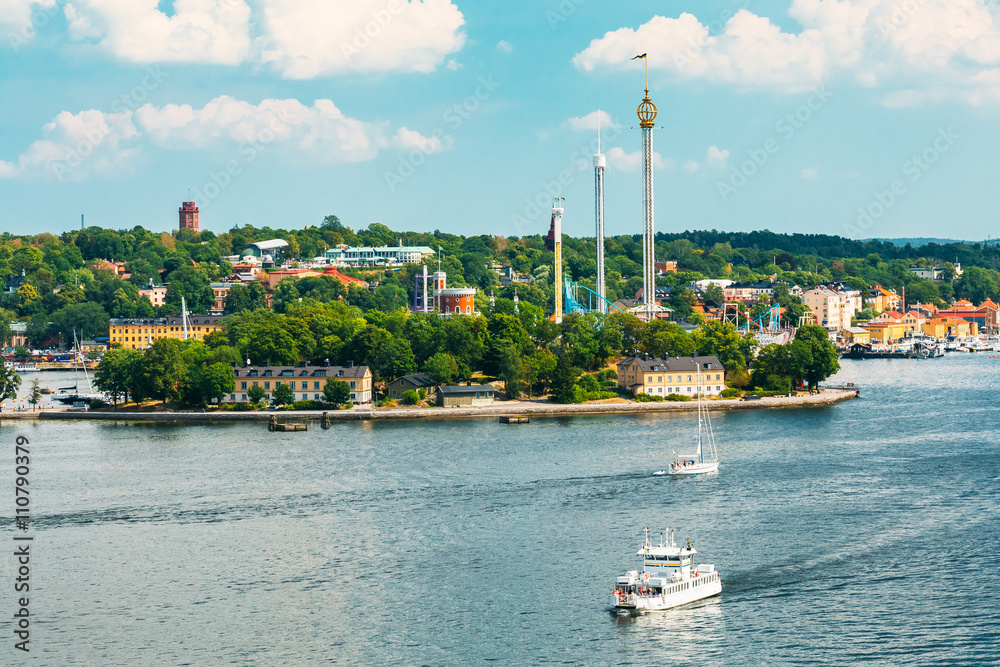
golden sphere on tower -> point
(646, 112)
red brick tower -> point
(189, 216)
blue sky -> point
(858, 117)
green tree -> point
(723, 341)
(35, 394)
(9, 382)
(216, 381)
(119, 374)
(822, 357)
(256, 394)
(164, 369)
(410, 397)
(193, 284)
(976, 284)
(337, 391)
(442, 368)
(714, 294)
(511, 371)
(564, 387)
(282, 394)
(89, 320)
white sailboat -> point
(706, 458)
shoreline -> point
(826, 397)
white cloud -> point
(588, 123)
(503, 46)
(810, 174)
(916, 50)
(20, 13)
(691, 166)
(453, 65)
(79, 145)
(321, 131)
(93, 142)
(622, 161)
(717, 157)
(204, 31)
(411, 140)
(304, 39)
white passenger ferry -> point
(667, 579)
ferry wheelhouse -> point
(668, 579)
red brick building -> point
(188, 213)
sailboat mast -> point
(701, 455)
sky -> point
(862, 118)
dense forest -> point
(69, 284)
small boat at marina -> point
(667, 580)
(23, 367)
(701, 462)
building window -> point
(316, 385)
(243, 385)
(352, 384)
(267, 385)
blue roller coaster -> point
(572, 291)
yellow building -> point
(138, 334)
(856, 335)
(672, 375)
(885, 332)
(950, 326)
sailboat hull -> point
(694, 469)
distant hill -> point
(917, 242)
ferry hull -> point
(641, 604)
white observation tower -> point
(647, 117)
(600, 162)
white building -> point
(377, 255)
(833, 305)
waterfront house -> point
(913, 320)
(413, 382)
(888, 316)
(856, 335)
(139, 333)
(671, 375)
(934, 327)
(305, 381)
(885, 332)
(953, 326)
(474, 395)
(986, 316)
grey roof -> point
(460, 389)
(418, 379)
(673, 364)
(164, 321)
(302, 371)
